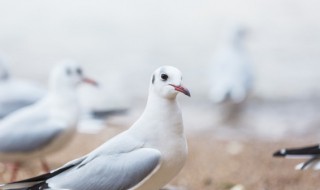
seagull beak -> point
(181, 89)
(90, 81)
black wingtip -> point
(280, 153)
(304, 151)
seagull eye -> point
(164, 77)
(79, 71)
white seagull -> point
(16, 93)
(231, 73)
(46, 126)
(145, 157)
(312, 153)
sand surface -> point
(213, 163)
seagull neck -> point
(64, 95)
(64, 105)
(159, 104)
(162, 114)
(236, 42)
(63, 90)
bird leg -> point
(3, 170)
(45, 166)
(15, 168)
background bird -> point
(312, 153)
(145, 157)
(231, 74)
(46, 126)
(16, 93)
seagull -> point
(145, 157)
(312, 153)
(46, 126)
(230, 73)
(16, 93)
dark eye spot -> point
(153, 78)
(164, 77)
(68, 71)
(79, 71)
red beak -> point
(181, 89)
(90, 81)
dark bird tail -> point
(35, 183)
(304, 152)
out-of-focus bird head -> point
(69, 74)
(166, 82)
(237, 34)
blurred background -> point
(120, 43)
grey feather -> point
(28, 138)
(38, 181)
(9, 107)
(112, 172)
(27, 130)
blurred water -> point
(122, 42)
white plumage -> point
(145, 157)
(46, 126)
(231, 73)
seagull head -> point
(69, 74)
(166, 82)
(237, 33)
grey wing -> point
(9, 107)
(113, 172)
(28, 138)
(18, 94)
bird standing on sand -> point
(16, 94)
(145, 157)
(231, 74)
(35, 131)
(312, 153)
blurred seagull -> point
(231, 73)
(46, 126)
(15, 93)
(310, 152)
(145, 157)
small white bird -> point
(145, 157)
(312, 153)
(46, 126)
(231, 74)
(16, 93)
